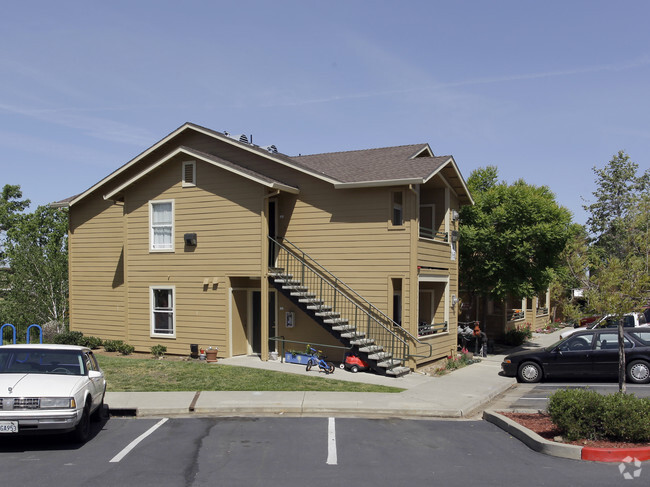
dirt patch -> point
(541, 424)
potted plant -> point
(211, 354)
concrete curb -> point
(531, 439)
(574, 452)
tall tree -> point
(511, 238)
(619, 221)
(37, 252)
(619, 189)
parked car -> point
(50, 388)
(630, 320)
(585, 354)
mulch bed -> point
(541, 424)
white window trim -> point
(151, 236)
(151, 308)
(185, 184)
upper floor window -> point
(189, 174)
(397, 216)
(161, 219)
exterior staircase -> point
(340, 310)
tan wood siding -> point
(224, 211)
(97, 304)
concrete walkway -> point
(459, 394)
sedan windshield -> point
(39, 361)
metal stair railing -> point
(347, 306)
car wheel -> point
(638, 371)
(342, 366)
(529, 372)
(354, 368)
(98, 413)
(81, 432)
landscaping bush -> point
(112, 345)
(626, 418)
(518, 335)
(158, 350)
(69, 338)
(578, 413)
(584, 414)
(91, 342)
(126, 349)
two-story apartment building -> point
(207, 239)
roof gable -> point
(407, 164)
(210, 159)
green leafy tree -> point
(11, 208)
(36, 250)
(511, 239)
(619, 220)
(572, 273)
(619, 189)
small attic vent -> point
(189, 174)
(271, 148)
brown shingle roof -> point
(383, 164)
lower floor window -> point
(162, 311)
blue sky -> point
(543, 90)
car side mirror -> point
(94, 374)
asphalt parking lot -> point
(290, 451)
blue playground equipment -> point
(13, 328)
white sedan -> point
(50, 387)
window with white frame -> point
(161, 218)
(162, 311)
(189, 174)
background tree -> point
(619, 189)
(619, 221)
(37, 252)
(11, 208)
(572, 273)
(511, 239)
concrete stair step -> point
(344, 328)
(353, 335)
(398, 371)
(380, 356)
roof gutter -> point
(378, 184)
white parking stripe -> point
(135, 442)
(331, 443)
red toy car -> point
(354, 364)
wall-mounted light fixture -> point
(190, 239)
(454, 300)
(454, 215)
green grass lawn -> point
(146, 375)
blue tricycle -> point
(317, 358)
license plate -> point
(8, 426)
